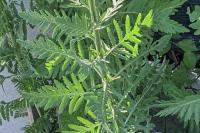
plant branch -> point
(134, 107)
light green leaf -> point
(85, 126)
(78, 103)
(118, 30)
(148, 20)
(136, 28)
(128, 25)
(86, 122)
(73, 103)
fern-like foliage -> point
(187, 108)
(14, 108)
(195, 19)
(189, 59)
(59, 60)
(85, 127)
(163, 23)
(54, 55)
(131, 40)
(41, 125)
(47, 47)
(5, 17)
(71, 94)
(162, 13)
(99, 82)
(57, 24)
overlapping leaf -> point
(132, 38)
(187, 108)
(70, 94)
(85, 127)
(164, 24)
(54, 54)
(195, 19)
(57, 24)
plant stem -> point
(134, 107)
(104, 99)
(103, 106)
(98, 45)
(134, 60)
(95, 20)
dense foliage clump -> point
(98, 66)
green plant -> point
(194, 18)
(96, 66)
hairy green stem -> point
(104, 99)
(98, 45)
(103, 106)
